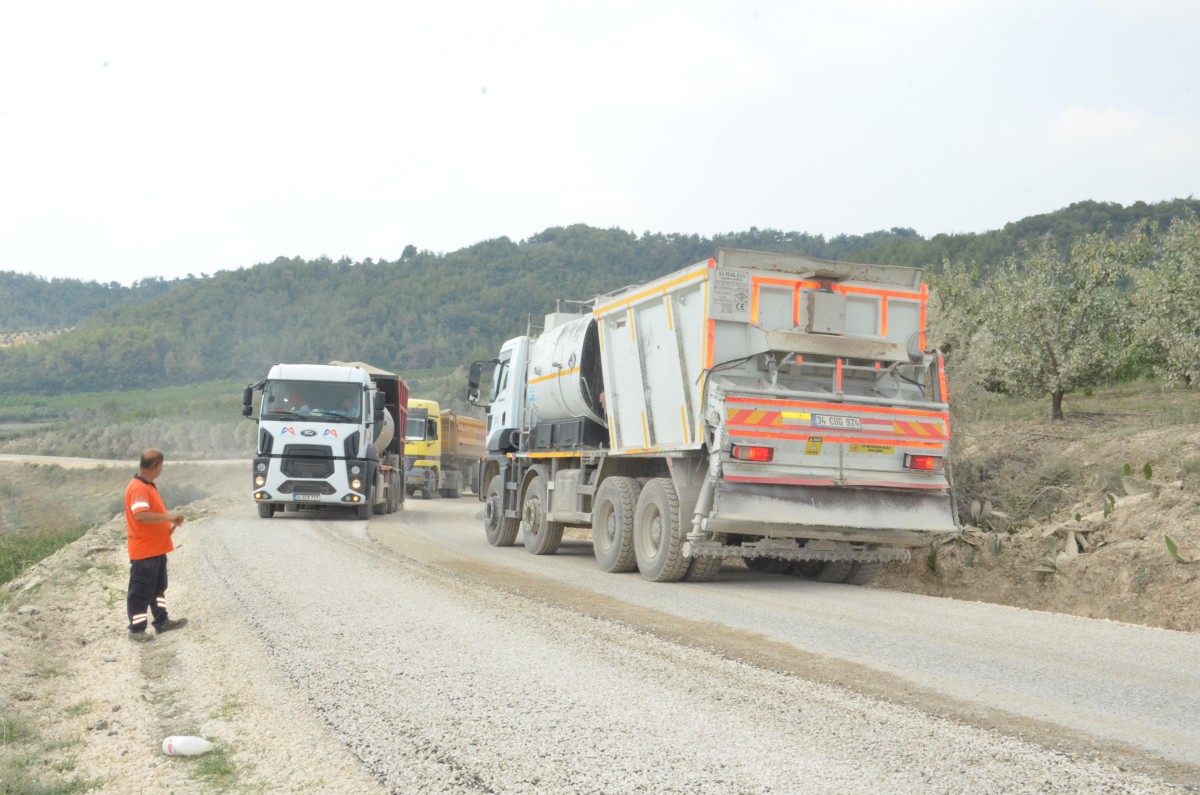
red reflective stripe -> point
(891, 441)
(842, 407)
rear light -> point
(745, 453)
(926, 463)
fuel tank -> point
(565, 379)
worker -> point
(149, 529)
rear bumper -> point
(856, 515)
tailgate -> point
(835, 465)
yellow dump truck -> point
(441, 450)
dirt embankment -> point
(1100, 550)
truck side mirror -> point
(246, 410)
(475, 377)
(377, 401)
(247, 398)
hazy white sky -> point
(159, 139)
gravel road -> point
(446, 665)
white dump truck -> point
(327, 438)
(776, 408)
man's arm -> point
(175, 519)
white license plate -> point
(829, 421)
(306, 497)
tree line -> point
(1047, 322)
(35, 304)
(430, 310)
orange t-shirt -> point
(146, 539)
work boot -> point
(141, 637)
(169, 624)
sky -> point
(155, 139)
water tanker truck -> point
(327, 438)
(775, 408)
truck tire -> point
(265, 510)
(658, 533)
(862, 573)
(767, 565)
(612, 524)
(808, 569)
(702, 569)
(540, 535)
(363, 511)
(393, 500)
(501, 531)
(835, 571)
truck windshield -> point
(311, 401)
(500, 376)
(414, 429)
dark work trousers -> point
(147, 588)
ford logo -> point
(308, 433)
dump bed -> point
(463, 436)
(808, 377)
(664, 338)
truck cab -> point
(507, 400)
(422, 447)
(327, 439)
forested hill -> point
(31, 303)
(438, 310)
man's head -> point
(151, 463)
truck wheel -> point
(265, 510)
(363, 511)
(540, 535)
(456, 490)
(767, 565)
(658, 532)
(808, 569)
(703, 569)
(835, 571)
(426, 492)
(862, 573)
(612, 524)
(501, 531)
(393, 501)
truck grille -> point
(307, 461)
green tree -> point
(1052, 323)
(1166, 302)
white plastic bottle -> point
(186, 746)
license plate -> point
(830, 421)
(306, 497)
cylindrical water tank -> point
(564, 372)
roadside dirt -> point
(1086, 560)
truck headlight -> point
(355, 469)
(356, 484)
(260, 480)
